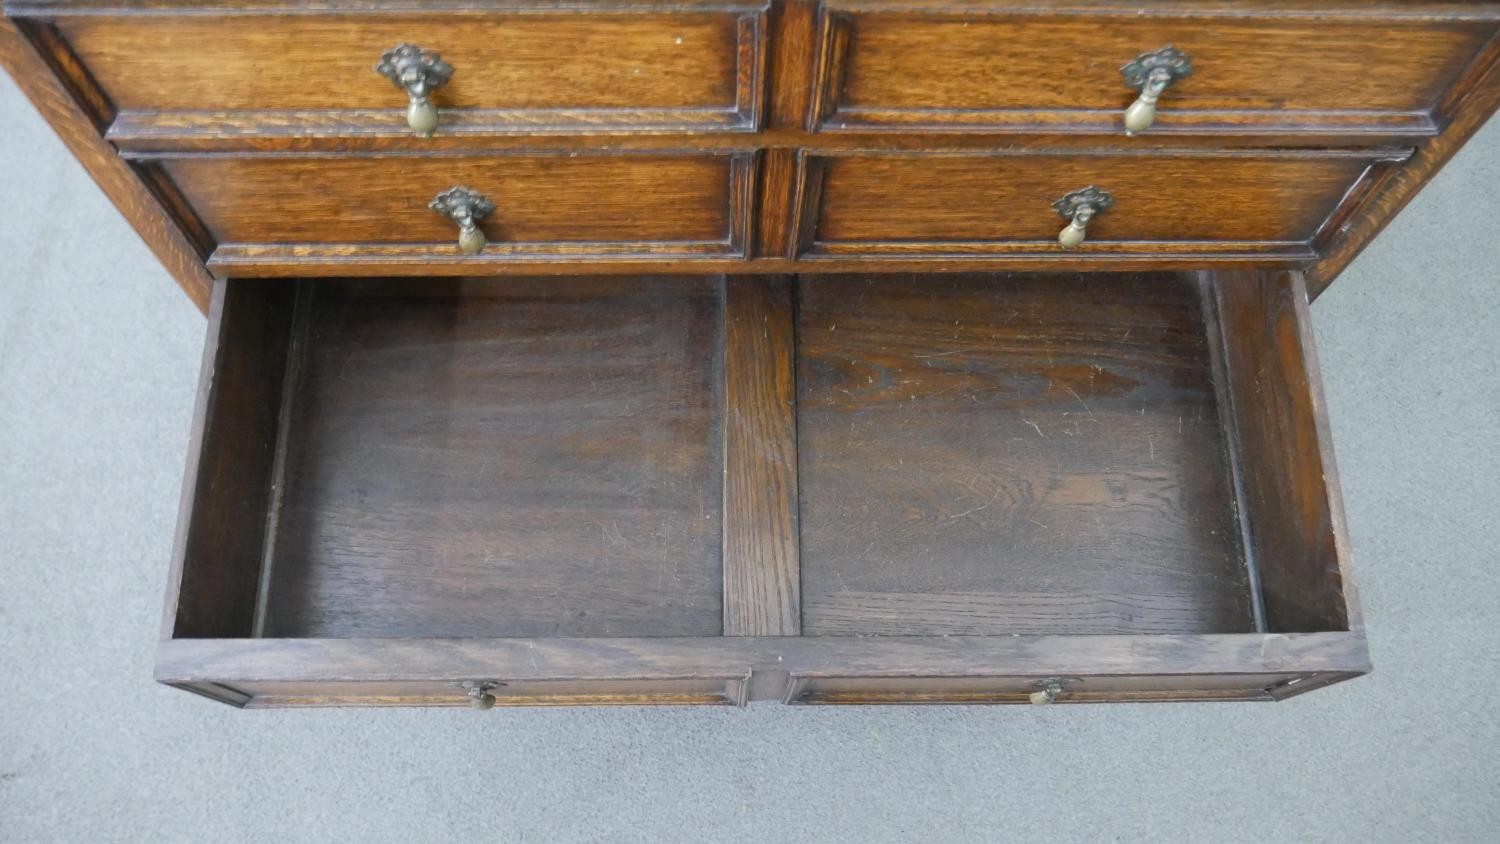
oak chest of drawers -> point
(857, 351)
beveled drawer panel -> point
(997, 69)
(548, 206)
(979, 690)
(997, 202)
(581, 69)
(721, 691)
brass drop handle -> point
(418, 72)
(479, 692)
(1151, 74)
(1078, 208)
(1049, 689)
(465, 207)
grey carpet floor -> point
(98, 362)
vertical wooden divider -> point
(762, 579)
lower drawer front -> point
(546, 206)
(958, 690)
(669, 692)
(986, 203)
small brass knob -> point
(418, 72)
(1048, 690)
(479, 693)
(1078, 208)
(1151, 74)
(1047, 694)
(465, 207)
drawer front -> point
(688, 691)
(981, 71)
(546, 206)
(573, 70)
(994, 203)
(1064, 689)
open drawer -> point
(835, 489)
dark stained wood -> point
(966, 203)
(761, 576)
(545, 204)
(280, 261)
(1023, 454)
(1293, 508)
(989, 690)
(776, 214)
(603, 469)
(518, 459)
(967, 67)
(692, 691)
(791, 62)
(577, 70)
(227, 491)
(1209, 9)
(770, 663)
(685, 488)
(74, 123)
(139, 136)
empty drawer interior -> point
(979, 454)
(525, 459)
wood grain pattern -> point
(769, 664)
(1017, 690)
(793, 26)
(146, 136)
(673, 691)
(761, 575)
(227, 488)
(76, 128)
(543, 201)
(999, 455)
(775, 216)
(567, 70)
(973, 201)
(945, 70)
(278, 261)
(1295, 516)
(687, 489)
(529, 459)
(924, 76)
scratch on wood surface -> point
(1081, 401)
(971, 511)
